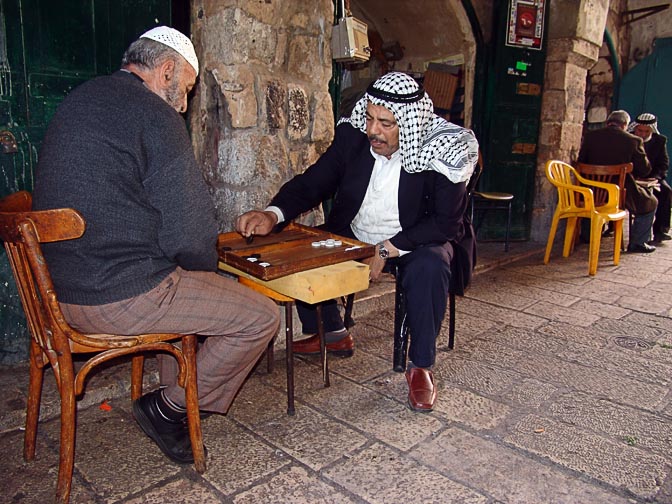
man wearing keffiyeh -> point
(646, 127)
(398, 174)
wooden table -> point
(298, 263)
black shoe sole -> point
(148, 428)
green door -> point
(512, 111)
(47, 47)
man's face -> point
(175, 93)
(643, 131)
(382, 130)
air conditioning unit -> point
(349, 41)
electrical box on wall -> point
(349, 40)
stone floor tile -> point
(632, 362)
(138, 463)
(570, 335)
(236, 458)
(482, 378)
(183, 490)
(311, 438)
(535, 291)
(644, 429)
(616, 464)
(602, 308)
(500, 314)
(645, 305)
(663, 323)
(531, 393)
(35, 481)
(381, 475)
(465, 407)
(571, 315)
(294, 485)
(505, 474)
(627, 327)
(376, 415)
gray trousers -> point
(239, 324)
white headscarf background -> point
(645, 119)
(426, 141)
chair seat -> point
(494, 196)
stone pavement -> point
(558, 391)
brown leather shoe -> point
(421, 389)
(344, 347)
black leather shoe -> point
(661, 237)
(171, 436)
(644, 248)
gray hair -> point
(149, 54)
(619, 117)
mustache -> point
(376, 138)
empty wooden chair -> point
(53, 341)
(576, 200)
(613, 174)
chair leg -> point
(400, 328)
(569, 236)
(594, 248)
(189, 345)
(451, 321)
(35, 381)
(66, 458)
(270, 355)
(508, 227)
(618, 240)
(137, 364)
(551, 238)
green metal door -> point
(645, 88)
(47, 47)
(512, 111)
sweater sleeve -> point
(177, 191)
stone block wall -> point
(262, 110)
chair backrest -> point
(22, 231)
(613, 174)
(562, 176)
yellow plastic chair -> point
(577, 201)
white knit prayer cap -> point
(175, 40)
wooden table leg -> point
(289, 339)
(323, 346)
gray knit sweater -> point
(121, 156)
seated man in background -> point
(399, 174)
(118, 151)
(655, 145)
(614, 145)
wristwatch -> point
(383, 252)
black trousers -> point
(661, 224)
(425, 278)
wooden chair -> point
(576, 200)
(53, 341)
(613, 174)
(456, 287)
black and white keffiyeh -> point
(645, 119)
(426, 141)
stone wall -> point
(575, 37)
(262, 111)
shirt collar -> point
(395, 156)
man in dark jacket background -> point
(614, 145)
(646, 128)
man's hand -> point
(256, 222)
(377, 263)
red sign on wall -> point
(526, 23)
